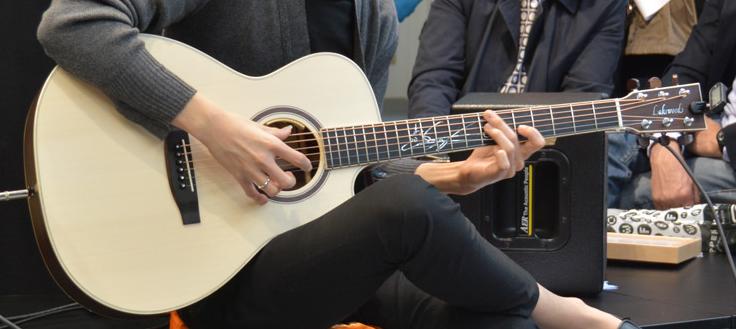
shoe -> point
(628, 325)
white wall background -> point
(406, 53)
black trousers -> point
(400, 254)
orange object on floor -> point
(175, 322)
(353, 325)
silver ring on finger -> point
(264, 185)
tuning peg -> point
(697, 107)
(654, 83)
(675, 79)
(632, 84)
(686, 139)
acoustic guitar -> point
(129, 223)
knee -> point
(408, 209)
(409, 196)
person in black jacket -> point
(544, 46)
(708, 58)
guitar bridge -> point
(180, 169)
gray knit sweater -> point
(97, 41)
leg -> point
(400, 304)
(717, 177)
(317, 274)
(623, 160)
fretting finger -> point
(497, 122)
(534, 141)
(500, 138)
(511, 148)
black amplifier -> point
(550, 217)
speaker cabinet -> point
(550, 217)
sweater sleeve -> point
(97, 40)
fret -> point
(541, 118)
(357, 148)
(449, 132)
(360, 145)
(584, 117)
(375, 142)
(618, 112)
(339, 152)
(563, 120)
(398, 141)
(595, 116)
(607, 115)
(408, 134)
(348, 147)
(329, 147)
(480, 127)
(531, 115)
(513, 118)
(383, 141)
(364, 138)
(465, 132)
(554, 131)
(572, 115)
(436, 137)
(421, 132)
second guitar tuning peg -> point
(654, 83)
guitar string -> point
(203, 163)
(554, 122)
(519, 110)
(473, 116)
(289, 168)
(392, 132)
(374, 143)
(386, 145)
(465, 140)
(522, 114)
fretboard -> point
(364, 144)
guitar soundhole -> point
(303, 140)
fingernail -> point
(289, 127)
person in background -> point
(515, 46)
(655, 179)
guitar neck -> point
(365, 144)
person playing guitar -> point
(400, 254)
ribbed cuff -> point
(151, 89)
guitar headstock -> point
(662, 109)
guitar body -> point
(102, 208)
